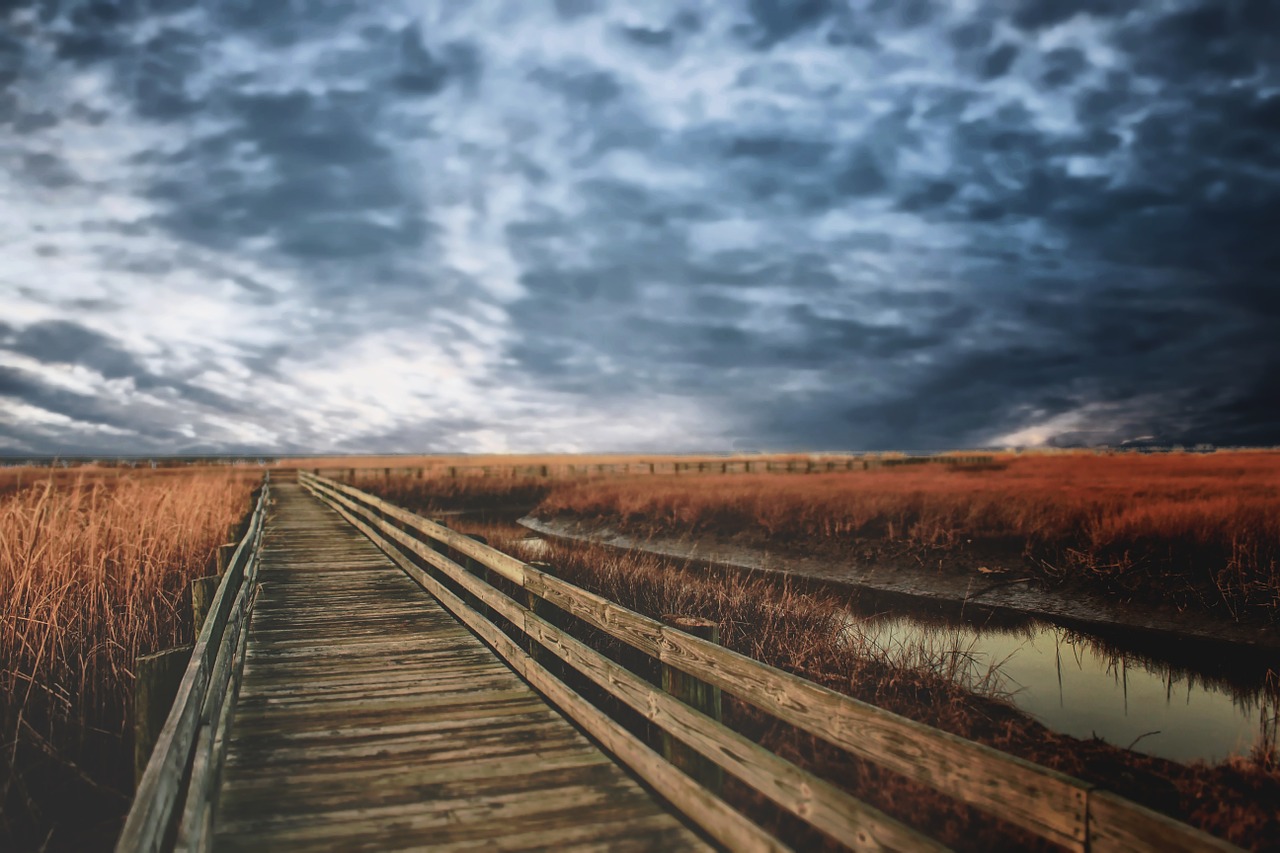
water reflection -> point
(1086, 687)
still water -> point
(1084, 687)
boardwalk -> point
(357, 713)
(369, 718)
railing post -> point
(154, 688)
(698, 694)
(225, 552)
(481, 571)
(546, 611)
(202, 592)
(436, 545)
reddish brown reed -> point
(1193, 528)
(93, 574)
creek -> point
(1182, 705)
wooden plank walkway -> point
(369, 718)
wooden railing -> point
(726, 465)
(1054, 806)
(172, 808)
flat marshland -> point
(94, 570)
(1195, 530)
(1192, 530)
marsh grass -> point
(1200, 530)
(94, 571)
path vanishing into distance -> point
(369, 716)
(368, 679)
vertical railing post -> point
(225, 553)
(698, 694)
(481, 571)
(202, 592)
(155, 686)
(546, 611)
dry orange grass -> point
(93, 574)
(1194, 528)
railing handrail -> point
(173, 793)
(1050, 804)
(727, 464)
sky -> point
(338, 226)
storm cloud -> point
(338, 226)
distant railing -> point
(728, 465)
(172, 808)
(1067, 811)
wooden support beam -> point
(547, 611)
(698, 694)
(202, 592)
(224, 556)
(481, 571)
(154, 688)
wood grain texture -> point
(714, 816)
(368, 717)
(1116, 824)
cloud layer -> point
(339, 226)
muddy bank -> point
(1003, 591)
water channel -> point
(1083, 686)
(1162, 698)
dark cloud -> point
(572, 9)
(646, 37)
(778, 20)
(48, 170)
(999, 61)
(593, 88)
(159, 76)
(64, 342)
(85, 409)
(11, 60)
(1062, 66)
(61, 342)
(322, 186)
(1042, 14)
(971, 35)
(420, 73)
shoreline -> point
(1007, 594)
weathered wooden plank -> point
(410, 777)
(844, 817)
(507, 566)
(643, 836)
(712, 814)
(1117, 824)
(394, 741)
(408, 831)
(319, 795)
